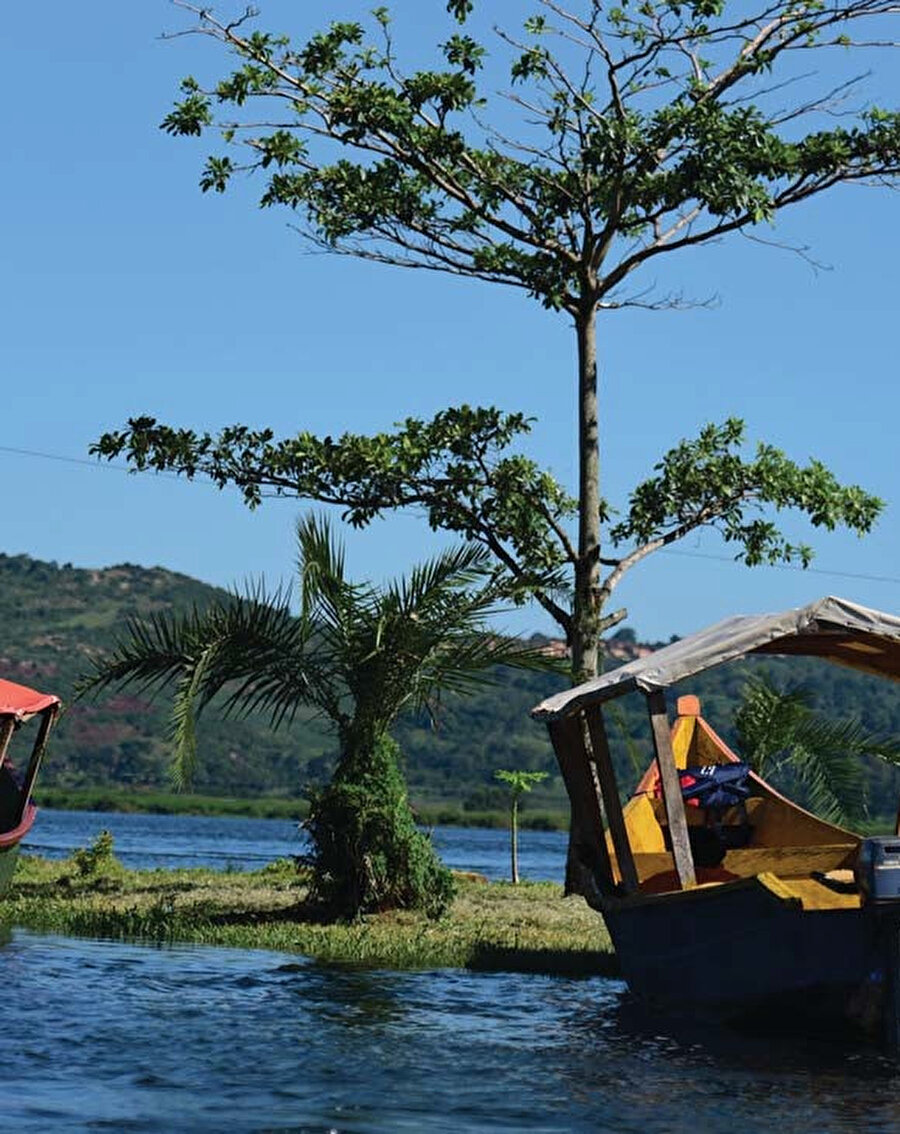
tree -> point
(518, 783)
(360, 655)
(645, 129)
(781, 736)
(455, 468)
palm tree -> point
(360, 655)
(779, 735)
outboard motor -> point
(877, 874)
(878, 869)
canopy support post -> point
(612, 805)
(48, 719)
(671, 790)
(587, 843)
(7, 728)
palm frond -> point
(358, 653)
(433, 585)
(766, 721)
(149, 655)
(182, 730)
(779, 732)
(250, 648)
(320, 565)
(468, 661)
(835, 785)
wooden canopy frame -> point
(834, 629)
(582, 750)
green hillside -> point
(56, 618)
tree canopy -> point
(457, 469)
(644, 128)
(619, 134)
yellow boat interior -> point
(785, 848)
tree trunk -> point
(585, 644)
(585, 610)
(514, 839)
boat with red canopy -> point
(36, 713)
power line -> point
(788, 567)
(113, 465)
(667, 551)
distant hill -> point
(55, 619)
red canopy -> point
(21, 702)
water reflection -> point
(348, 997)
(710, 1075)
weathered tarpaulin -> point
(832, 628)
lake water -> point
(147, 841)
(128, 1038)
(133, 1038)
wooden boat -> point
(18, 706)
(782, 918)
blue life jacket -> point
(716, 785)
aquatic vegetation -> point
(498, 926)
(98, 858)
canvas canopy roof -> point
(832, 628)
(21, 702)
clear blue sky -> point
(124, 291)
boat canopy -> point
(20, 702)
(832, 628)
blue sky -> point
(126, 291)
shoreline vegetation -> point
(490, 926)
(431, 814)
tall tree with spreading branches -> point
(645, 129)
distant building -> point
(621, 649)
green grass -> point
(495, 926)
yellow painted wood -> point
(644, 831)
(777, 886)
(815, 896)
(787, 845)
(682, 738)
(788, 862)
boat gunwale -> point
(13, 837)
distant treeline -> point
(56, 619)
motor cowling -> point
(877, 869)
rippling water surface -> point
(149, 841)
(106, 1036)
(132, 1038)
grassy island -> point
(498, 926)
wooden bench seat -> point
(786, 862)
